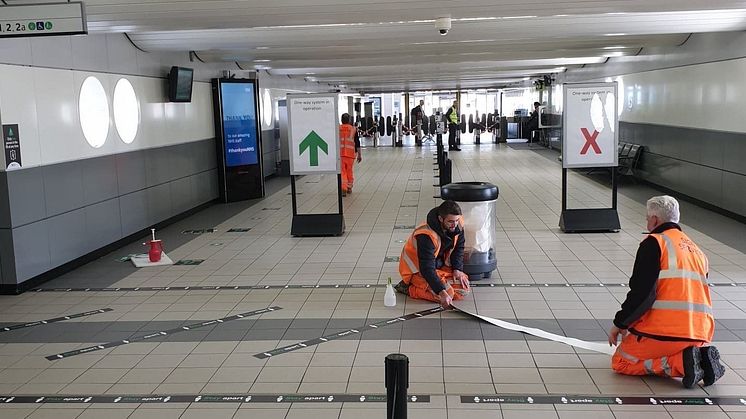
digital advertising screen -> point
(239, 124)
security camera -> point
(443, 25)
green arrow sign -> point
(313, 143)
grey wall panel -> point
(102, 224)
(4, 202)
(121, 55)
(7, 258)
(205, 186)
(52, 51)
(205, 156)
(157, 167)
(705, 165)
(26, 192)
(733, 195)
(31, 247)
(63, 187)
(17, 51)
(159, 203)
(134, 212)
(131, 173)
(734, 154)
(86, 53)
(99, 179)
(67, 236)
(181, 196)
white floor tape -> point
(603, 348)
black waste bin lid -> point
(469, 191)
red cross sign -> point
(590, 141)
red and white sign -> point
(591, 126)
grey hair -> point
(665, 207)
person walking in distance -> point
(349, 150)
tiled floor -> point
(450, 354)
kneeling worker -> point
(666, 319)
(432, 260)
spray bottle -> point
(389, 299)
(156, 248)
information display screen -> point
(239, 124)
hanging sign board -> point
(42, 19)
(590, 125)
(313, 130)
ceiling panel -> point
(393, 44)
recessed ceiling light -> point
(262, 47)
(615, 47)
(614, 34)
(614, 54)
(262, 61)
(526, 78)
(519, 17)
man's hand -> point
(463, 278)
(445, 299)
(614, 334)
(359, 157)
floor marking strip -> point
(341, 286)
(603, 348)
(603, 400)
(54, 320)
(208, 398)
(159, 334)
(349, 332)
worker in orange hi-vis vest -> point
(349, 149)
(432, 261)
(666, 320)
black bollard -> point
(397, 382)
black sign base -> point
(315, 225)
(593, 220)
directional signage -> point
(314, 134)
(591, 126)
(47, 19)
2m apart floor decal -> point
(54, 320)
(349, 332)
(209, 398)
(160, 334)
(603, 400)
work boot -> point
(693, 372)
(402, 288)
(710, 362)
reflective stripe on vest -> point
(683, 307)
(347, 140)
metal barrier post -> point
(397, 382)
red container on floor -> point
(156, 248)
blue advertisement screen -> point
(239, 124)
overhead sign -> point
(46, 19)
(591, 127)
(12, 146)
(313, 130)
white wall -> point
(44, 104)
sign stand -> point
(590, 106)
(313, 132)
(314, 225)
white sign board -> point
(44, 19)
(313, 130)
(590, 125)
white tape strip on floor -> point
(603, 348)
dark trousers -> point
(452, 136)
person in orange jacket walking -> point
(666, 320)
(349, 149)
(432, 261)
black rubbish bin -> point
(478, 204)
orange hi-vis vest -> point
(409, 262)
(682, 307)
(347, 140)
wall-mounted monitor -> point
(180, 84)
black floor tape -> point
(160, 334)
(54, 320)
(324, 339)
